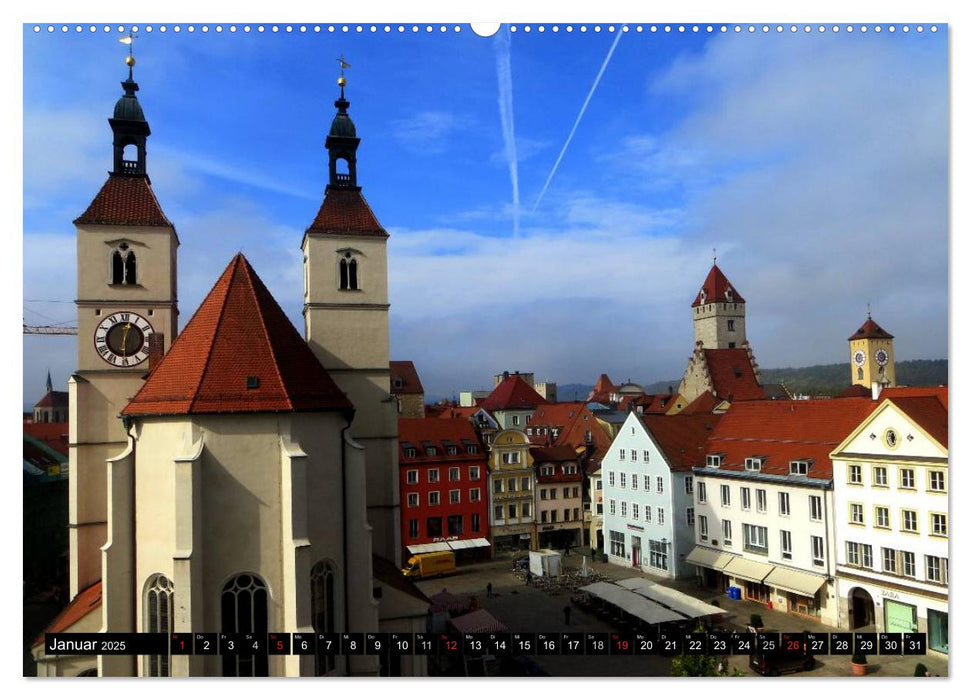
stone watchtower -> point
(718, 313)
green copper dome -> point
(127, 106)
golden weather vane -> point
(342, 81)
(130, 40)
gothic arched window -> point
(124, 269)
(859, 373)
(244, 603)
(348, 271)
(323, 610)
(159, 597)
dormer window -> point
(754, 464)
(123, 265)
(728, 294)
(409, 452)
(714, 461)
(452, 450)
(799, 467)
(703, 296)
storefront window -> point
(937, 630)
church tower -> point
(126, 258)
(346, 317)
(871, 355)
(718, 313)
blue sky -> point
(816, 164)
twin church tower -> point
(238, 476)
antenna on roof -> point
(714, 256)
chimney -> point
(156, 350)
(505, 375)
(875, 389)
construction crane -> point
(49, 330)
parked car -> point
(775, 663)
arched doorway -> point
(861, 612)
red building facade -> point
(443, 486)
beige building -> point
(238, 490)
(511, 492)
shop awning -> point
(469, 544)
(477, 621)
(801, 582)
(748, 569)
(709, 558)
(446, 546)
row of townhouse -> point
(830, 509)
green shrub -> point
(920, 670)
(859, 658)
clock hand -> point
(124, 339)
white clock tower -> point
(126, 257)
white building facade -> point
(649, 513)
(891, 500)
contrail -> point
(583, 109)
(504, 71)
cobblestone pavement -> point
(525, 609)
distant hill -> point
(814, 380)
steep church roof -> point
(346, 211)
(511, 394)
(870, 329)
(125, 201)
(238, 354)
(732, 374)
(716, 287)
(404, 378)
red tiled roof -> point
(238, 332)
(716, 286)
(84, 602)
(783, 431)
(704, 403)
(940, 392)
(345, 211)
(125, 201)
(732, 375)
(455, 412)
(870, 329)
(556, 453)
(682, 438)
(928, 413)
(417, 431)
(54, 435)
(855, 390)
(556, 414)
(53, 399)
(574, 419)
(406, 372)
(512, 393)
(602, 390)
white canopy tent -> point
(676, 600)
(631, 603)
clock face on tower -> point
(881, 356)
(122, 339)
(859, 358)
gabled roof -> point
(125, 201)
(732, 374)
(404, 370)
(602, 390)
(682, 438)
(704, 403)
(939, 392)
(239, 332)
(53, 399)
(574, 419)
(85, 602)
(512, 394)
(785, 431)
(928, 413)
(346, 211)
(717, 288)
(870, 329)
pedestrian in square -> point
(529, 577)
(489, 589)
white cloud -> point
(429, 131)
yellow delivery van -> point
(431, 564)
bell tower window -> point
(123, 265)
(348, 272)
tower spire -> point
(342, 141)
(50, 384)
(128, 122)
